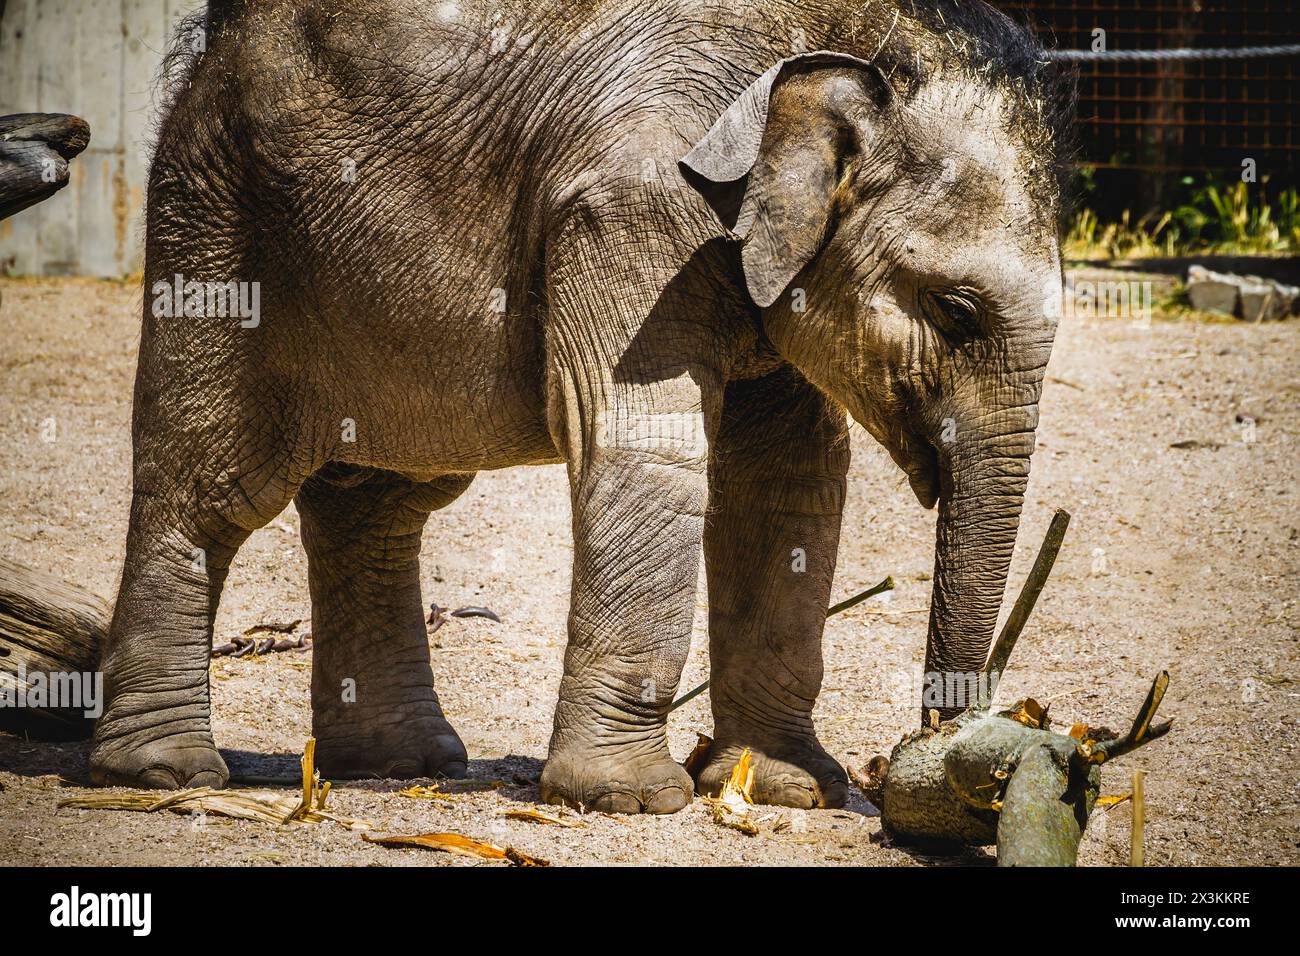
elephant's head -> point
(900, 237)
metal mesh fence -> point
(1175, 116)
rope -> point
(1240, 53)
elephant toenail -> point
(617, 802)
(207, 778)
(452, 769)
(667, 800)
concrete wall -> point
(97, 59)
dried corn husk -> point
(458, 845)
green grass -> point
(1217, 219)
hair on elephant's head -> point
(900, 234)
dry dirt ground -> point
(1178, 557)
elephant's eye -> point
(955, 313)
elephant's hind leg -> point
(776, 493)
(374, 710)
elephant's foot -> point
(616, 782)
(423, 745)
(791, 773)
(175, 762)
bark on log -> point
(47, 626)
(34, 153)
(917, 805)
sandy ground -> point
(1179, 558)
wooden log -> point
(34, 152)
(67, 134)
(1004, 778)
(47, 627)
(985, 779)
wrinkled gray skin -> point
(641, 343)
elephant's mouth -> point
(920, 462)
(915, 456)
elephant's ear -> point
(770, 178)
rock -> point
(1212, 291)
(1256, 301)
(1247, 297)
(1267, 300)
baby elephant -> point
(391, 243)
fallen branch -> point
(1002, 778)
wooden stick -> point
(1136, 852)
(883, 586)
(688, 697)
(1029, 593)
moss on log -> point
(1046, 808)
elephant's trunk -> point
(981, 494)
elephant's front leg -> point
(638, 517)
(776, 495)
